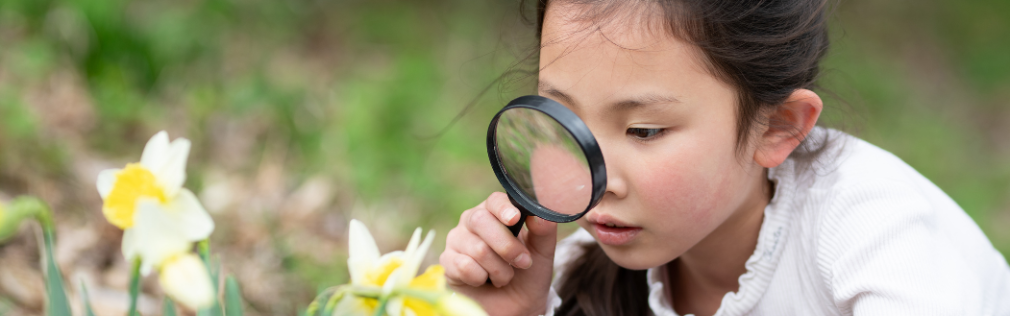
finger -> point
(468, 244)
(451, 274)
(540, 237)
(499, 271)
(499, 239)
(455, 241)
(498, 204)
(461, 269)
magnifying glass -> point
(546, 159)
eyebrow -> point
(634, 102)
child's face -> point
(667, 129)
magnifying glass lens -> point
(544, 161)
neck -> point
(700, 277)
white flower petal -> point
(129, 246)
(390, 284)
(155, 152)
(185, 279)
(357, 269)
(362, 244)
(107, 180)
(171, 174)
(415, 239)
(191, 219)
(157, 234)
(412, 261)
(362, 251)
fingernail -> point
(522, 261)
(510, 214)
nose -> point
(617, 186)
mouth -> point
(611, 231)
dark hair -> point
(765, 49)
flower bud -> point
(185, 279)
(12, 214)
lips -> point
(610, 231)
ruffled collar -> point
(760, 265)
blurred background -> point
(307, 113)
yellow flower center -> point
(419, 307)
(378, 276)
(132, 183)
(432, 279)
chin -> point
(634, 258)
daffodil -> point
(146, 199)
(369, 269)
(160, 218)
(389, 283)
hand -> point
(520, 269)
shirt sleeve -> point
(882, 251)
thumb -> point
(540, 237)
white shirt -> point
(863, 234)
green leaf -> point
(167, 307)
(232, 298)
(203, 247)
(86, 300)
(134, 287)
(58, 304)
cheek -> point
(681, 194)
(692, 189)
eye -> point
(645, 133)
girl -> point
(722, 197)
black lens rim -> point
(577, 128)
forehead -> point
(628, 47)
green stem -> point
(134, 287)
(203, 248)
(431, 298)
(334, 299)
(382, 306)
(314, 306)
(365, 291)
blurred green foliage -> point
(357, 91)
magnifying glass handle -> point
(522, 217)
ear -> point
(788, 125)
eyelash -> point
(649, 133)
